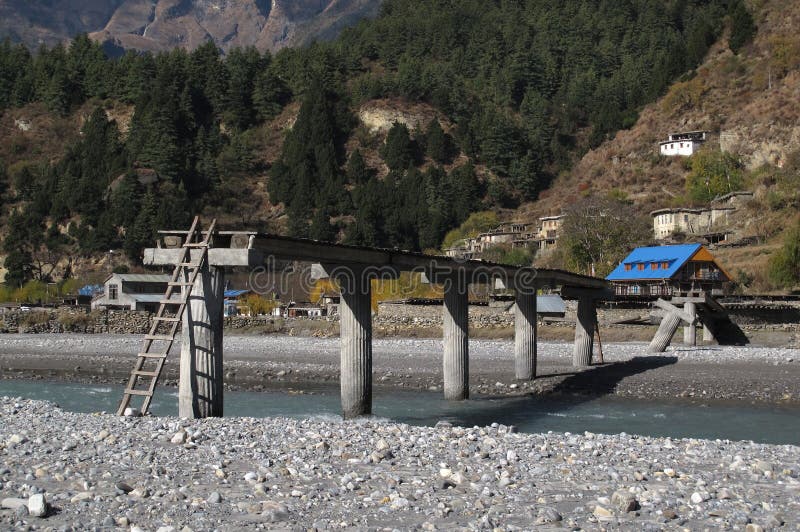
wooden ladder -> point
(155, 348)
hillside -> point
(750, 104)
(391, 135)
(156, 25)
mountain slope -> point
(165, 24)
(750, 103)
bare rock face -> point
(165, 24)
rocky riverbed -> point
(61, 471)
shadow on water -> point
(578, 387)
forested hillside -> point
(523, 87)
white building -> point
(133, 291)
(682, 144)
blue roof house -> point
(656, 271)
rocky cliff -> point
(165, 24)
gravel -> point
(278, 473)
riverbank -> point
(228, 474)
(749, 374)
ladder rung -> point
(143, 373)
(162, 318)
(179, 283)
(196, 245)
(152, 355)
(138, 392)
(159, 337)
(188, 264)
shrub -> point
(784, 266)
(74, 321)
(31, 319)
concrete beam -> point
(200, 387)
(579, 292)
(672, 309)
(220, 257)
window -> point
(628, 267)
(665, 265)
(640, 266)
(653, 265)
(112, 292)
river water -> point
(608, 415)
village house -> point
(549, 227)
(710, 222)
(682, 144)
(665, 271)
(133, 291)
(514, 234)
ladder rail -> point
(185, 275)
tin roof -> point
(675, 257)
(141, 277)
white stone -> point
(37, 505)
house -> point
(549, 227)
(133, 291)
(658, 271)
(233, 303)
(711, 223)
(682, 144)
(304, 310)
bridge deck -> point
(249, 248)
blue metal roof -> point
(675, 256)
(90, 290)
(235, 293)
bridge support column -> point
(584, 332)
(690, 329)
(201, 375)
(455, 364)
(666, 330)
(355, 318)
(525, 336)
(708, 334)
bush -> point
(784, 266)
(74, 321)
(31, 319)
(713, 174)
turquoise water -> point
(608, 415)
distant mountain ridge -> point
(156, 25)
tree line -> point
(527, 85)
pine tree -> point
(437, 143)
(398, 151)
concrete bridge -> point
(352, 267)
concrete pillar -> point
(525, 336)
(455, 365)
(708, 335)
(584, 332)
(690, 330)
(355, 319)
(201, 375)
(666, 330)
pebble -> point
(443, 478)
(37, 505)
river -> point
(608, 415)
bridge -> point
(200, 391)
